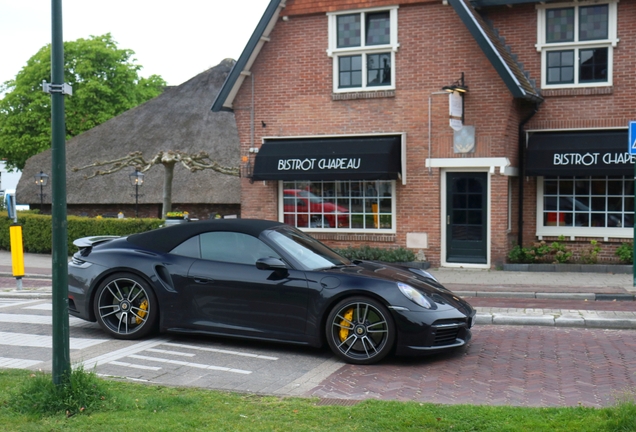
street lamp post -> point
(136, 179)
(41, 180)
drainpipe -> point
(522, 169)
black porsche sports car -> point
(263, 280)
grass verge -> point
(29, 403)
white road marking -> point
(121, 353)
(41, 319)
(43, 306)
(134, 366)
(194, 365)
(176, 353)
(17, 363)
(220, 351)
(39, 341)
(9, 303)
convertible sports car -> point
(262, 280)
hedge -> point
(37, 230)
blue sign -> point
(632, 138)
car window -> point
(234, 247)
(189, 248)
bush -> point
(590, 255)
(555, 252)
(625, 252)
(37, 230)
(377, 254)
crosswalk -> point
(21, 349)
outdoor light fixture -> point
(456, 102)
(136, 179)
(41, 180)
(457, 86)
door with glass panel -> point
(466, 217)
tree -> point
(193, 162)
(105, 81)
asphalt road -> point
(511, 365)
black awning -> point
(351, 158)
(578, 153)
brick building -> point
(434, 124)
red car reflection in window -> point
(304, 209)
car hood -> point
(442, 296)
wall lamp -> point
(457, 86)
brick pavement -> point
(503, 365)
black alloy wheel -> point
(126, 307)
(360, 330)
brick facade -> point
(292, 81)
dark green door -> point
(466, 218)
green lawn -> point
(117, 406)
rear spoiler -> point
(88, 242)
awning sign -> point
(337, 158)
(579, 153)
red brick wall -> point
(293, 96)
(569, 109)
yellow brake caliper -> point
(142, 313)
(344, 324)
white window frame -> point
(392, 230)
(335, 53)
(572, 232)
(544, 47)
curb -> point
(551, 295)
(571, 319)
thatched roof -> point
(178, 119)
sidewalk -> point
(591, 300)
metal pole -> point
(61, 357)
(137, 198)
(41, 198)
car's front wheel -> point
(360, 330)
(125, 306)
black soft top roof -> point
(166, 239)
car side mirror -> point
(270, 264)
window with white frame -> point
(363, 46)
(586, 203)
(352, 205)
(576, 42)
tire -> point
(126, 307)
(360, 331)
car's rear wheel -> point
(360, 330)
(125, 306)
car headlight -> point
(414, 295)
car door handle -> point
(203, 281)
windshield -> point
(306, 250)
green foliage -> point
(625, 252)
(78, 392)
(37, 231)
(590, 255)
(136, 407)
(377, 254)
(561, 254)
(105, 83)
(541, 252)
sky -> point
(174, 39)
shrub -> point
(37, 230)
(590, 255)
(625, 252)
(377, 254)
(561, 254)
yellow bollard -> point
(17, 253)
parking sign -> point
(632, 138)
